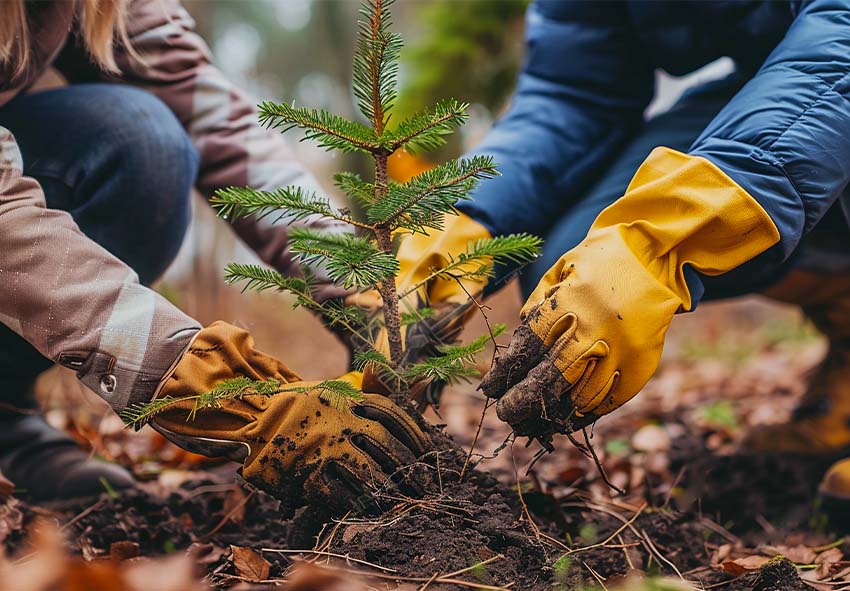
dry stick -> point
(428, 582)
(230, 514)
(599, 464)
(345, 557)
(481, 308)
(641, 535)
(649, 543)
(81, 515)
(617, 532)
(626, 551)
(446, 581)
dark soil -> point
(461, 524)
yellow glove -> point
(294, 445)
(593, 329)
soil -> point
(477, 520)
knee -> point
(152, 148)
(148, 167)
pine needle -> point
(337, 393)
(331, 131)
(424, 200)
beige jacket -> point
(75, 302)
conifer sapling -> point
(364, 259)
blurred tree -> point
(468, 48)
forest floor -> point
(694, 512)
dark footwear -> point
(821, 422)
(45, 464)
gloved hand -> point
(593, 329)
(292, 444)
(419, 255)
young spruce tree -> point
(364, 259)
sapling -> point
(365, 259)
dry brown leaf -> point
(124, 550)
(797, 554)
(651, 438)
(171, 573)
(721, 554)
(250, 564)
(306, 576)
(234, 505)
(739, 566)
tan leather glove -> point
(292, 444)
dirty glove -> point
(295, 444)
(419, 255)
(593, 329)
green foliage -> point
(482, 39)
(337, 393)
(482, 255)
(720, 413)
(364, 258)
(355, 188)
(376, 62)
(453, 362)
(138, 415)
(426, 131)
(351, 261)
(330, 131)
(424, 200)
(290, 203)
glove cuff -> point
(683, 210)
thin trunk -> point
(387, 287)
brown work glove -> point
(294, 445)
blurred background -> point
(717, 360)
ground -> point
(694, 509)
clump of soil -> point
(777, 575)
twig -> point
(474, 566)
(345, 557)
(81, 515)
(230, 514)
(617, 532)
(428, 582)
(599, 464)
(487, 404)
(651, 546)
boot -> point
(43, 463)
(46, 465)
(821, 422)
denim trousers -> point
(120, 163)
(826, 249)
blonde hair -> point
(101, 24)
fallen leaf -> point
(797, 554)
(124, 550)
(651, 438)
(306, 576)
(739, 566)
(249, 564)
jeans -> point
(120, 163)
(826, 249)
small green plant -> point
(364, 259)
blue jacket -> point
(589, 75)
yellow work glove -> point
(593, 329)
(419, 255)
(295, 445)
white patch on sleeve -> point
(10, 155)
(127, 332)
(210, 104)
(13, 323)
